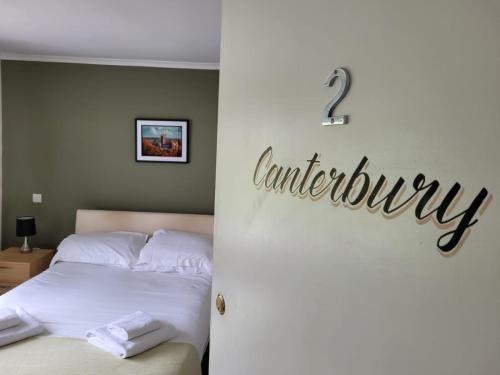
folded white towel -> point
(8, 318)
(133, 325)
(26, 328)
(104, 340)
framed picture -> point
(163, 141)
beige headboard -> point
(146, 222)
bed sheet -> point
(71, 298)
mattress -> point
(71, 298)
(62, 356)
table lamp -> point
(25, 226)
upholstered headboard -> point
(146, 222)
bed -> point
(71, 298)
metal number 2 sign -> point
(345, 80)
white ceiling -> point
(168, 31)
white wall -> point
(317, 289)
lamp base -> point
(25, 248)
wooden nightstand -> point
(16, 267)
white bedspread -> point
(71, 298)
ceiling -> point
(128, 31)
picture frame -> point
(161, 141)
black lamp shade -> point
(25, 226)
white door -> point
(315, 285)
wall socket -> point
(37, 198)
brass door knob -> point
(220, 304)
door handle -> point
(220, 304)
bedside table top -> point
(12, 254)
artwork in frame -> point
(163, 141)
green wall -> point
(68, 133)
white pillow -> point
(176, 251)
(120, 249)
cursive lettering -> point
(358, 190)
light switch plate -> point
(37, 198)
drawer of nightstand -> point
(14, 272)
